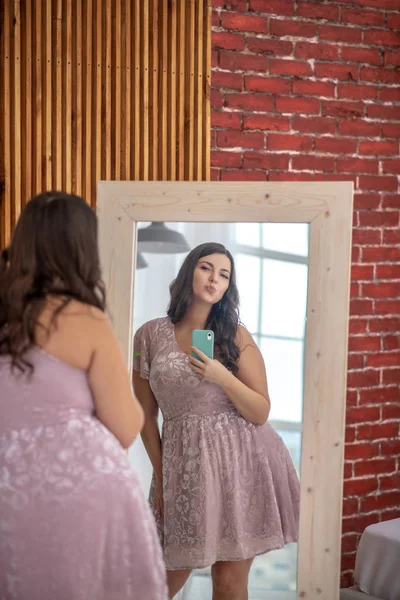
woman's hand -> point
(209, 369)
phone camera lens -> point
(209, 336)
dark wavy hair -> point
(53, 251)
(223, 319)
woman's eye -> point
(225, 277)
(204, 268)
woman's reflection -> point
(224, 488)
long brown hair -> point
(223, 318)
(53, 251)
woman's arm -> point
(248, 389)
(150, 433)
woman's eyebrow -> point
(211, 265)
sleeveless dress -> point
(74, 523)
(230, 488)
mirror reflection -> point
(220, 452)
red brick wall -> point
(310, 90)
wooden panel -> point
(97, 90)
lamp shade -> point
(158, 239)
(141, 262)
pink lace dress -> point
(230, 489)
(74, 523)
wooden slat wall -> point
(101, 90)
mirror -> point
(326, 210)
(271, 263)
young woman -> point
(74, 523)
(224, 487)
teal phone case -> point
(203, 339)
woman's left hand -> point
(209, 369)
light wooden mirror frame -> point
(328, 208)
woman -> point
(224, 487)
(74, 523)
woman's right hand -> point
(158, 496)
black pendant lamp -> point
(157, 238)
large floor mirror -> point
(291, 247)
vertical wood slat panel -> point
(100, 90)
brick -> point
(339, 33)
(267, 122)
(317, 10)
(215, 174)
(383, 307)
(219, 158)
(285, 176)
(380, 75)
(272, 85)
(355, 16)
(364, 343)
(336, 145)
(349, 542)
(342, 108)
(278, 66)
(241, 22)
(359, 487)
(355, 251)
(354, 291)
(265, 160)
(351, 397)
(377, 431)
(390, 482)
(381, 254)
(250, 102)
(362, 273)
(284, 27)
(350, 507)
(350, 434)
(226, 120)
(361, 450)
(392, 58)
(381, 148)
(272, 7)
(389, 94)
(366, 237)
(242, 62)
(355, 361)
(336, 71)
(381, 290)
(347, 560)
(370, 56)
(391, 166)
(242, 139)
(392, 342)
(215, 18)
(393, 20)
(286, 104)
(277, 141)
(357, 91)
(359, 128)
(379, 219)
(269, 46)
(216, 99)
(240, 5)
(314, 125)
(391, 130)
(379, 4)
(377, 182)
(214, 58)
(243, 175)
(357, 326)
(228, 41)
(384, 359)
(361, 307)
(305, 87)
(363, 201)
(390, 236)
(357, 165)
(391, 447)
(384, 112)
(381, 37)
(362, 414)
(222, 79)
(374, 467)
(391, 201)
(316, 50)
(380, 501)
(311, 162)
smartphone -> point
(203, 339)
